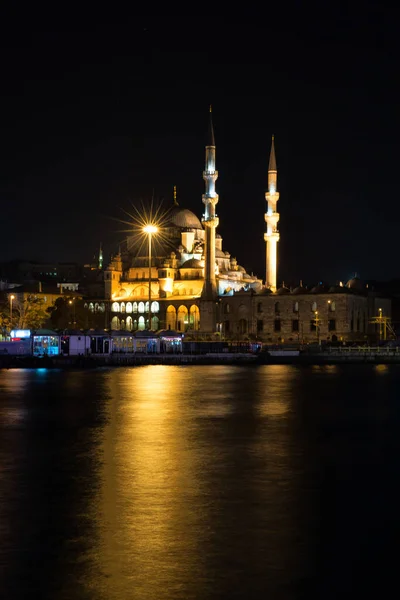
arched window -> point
(115, 323)
(155, 307)
(135, 325)
(123, 307)
(155, 323)
(182, 318)
(141, 324)
(314, 307)
(194, 318)
(129, 323)
(243, 326)
(122, 323)
(114, 308)
(277, 308)
(171, 317)
(226, 308)
(295, 307)
(129, 307)
(146, 309)
(102, 307)
(332, 306)
(141, 308)
(134, 307)
(96, 307)
(91, 306)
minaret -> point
(210, 221)
(101, 256)
(175, 200)
(271, 237)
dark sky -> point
(93, 119)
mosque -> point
(189, 283)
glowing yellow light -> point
(12, 297)
(150, 229)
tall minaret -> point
(210, 199)
(101, 256)
(271, 218)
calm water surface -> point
(201, 482)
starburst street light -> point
(150, 230)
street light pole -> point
(150, 229)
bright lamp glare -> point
(150, 229)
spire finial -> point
(211, 138)
(175, 200)
(272, 159)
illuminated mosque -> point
(192, 285)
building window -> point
(295, 307)
(332, 306)
(277, 324)
(141, 308)
(227, 326)
(313, 325)
(260, 325)
(295, 325)
(242, 326)
(114, 308)
(259, 307)
(277, 309)
(314, 307)
(226, 309)
(332, 325)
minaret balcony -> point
(210, 222)
(274, 236)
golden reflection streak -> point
(149, 482)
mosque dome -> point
(183, 218)
(355, 284)
(192, 263)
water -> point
(199, 482)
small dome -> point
(337, 289)
(300, 290)
(321, 288)
(183, 218)
(283, 290)
(192, 263)
(241, 269)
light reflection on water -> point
(188, 482)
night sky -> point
(93, 120)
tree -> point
(29, 312)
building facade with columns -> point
(190, 283)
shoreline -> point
(240, 359)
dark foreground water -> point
(206, 483)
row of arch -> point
(135, 307)
(136, 324)
(183, 319)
